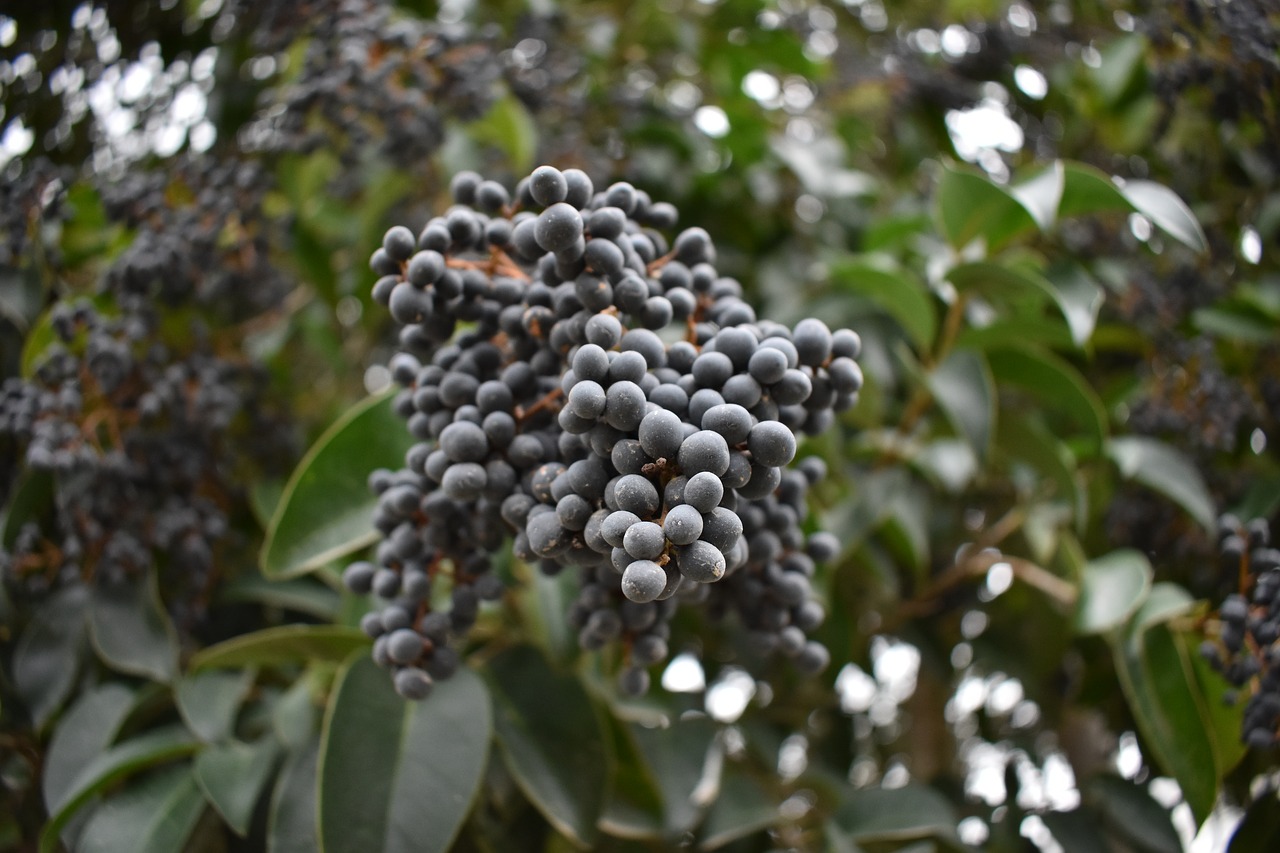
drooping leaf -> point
(291, 827)
(551, 740)
(47, 658)
(1169, 213)
(1161, 467)
(157, 746)
(130, 630)
(963, 386)
(232, 776)
(285, 644)
(872, 815)
(326, 511)
(1111, 589)
(970, 206)
(83, 733)
(395, 775)
(154, 815)
(209, 701)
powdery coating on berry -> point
(643, 581)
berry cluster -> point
(608, 401)
(1247, 649)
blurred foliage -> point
(1054, 228)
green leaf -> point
(822, 166)
(157, 746)
(295, 716)
(1259, 829)
(303, 595)
(232, 776)
(1163, 207)
(286, 644)
(1225, 720)
(970, 206)
(31, 498)
(1122, 62)
(894, 814)
(209, 701)
(1130, 812)
(83, 733)
(47, 658)
(291, 827)
(963, 386)
(397, 775)
(509, 128)
(1041, 194)
(1078, 831)
(156, 815)
(901, 295)
(1111, 589)
(1163, 468)
(326, 511)
(130, 629)
(551, 740)
(1055, 383)
(1079, 297)
(633, 808)
(1088, 190)
(743, 808)
(678, 757)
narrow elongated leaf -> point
(1161, 467)
(395, 775)
(1111, 588)
(1054, 383)
(970, 206)
(286, 644)
(232, 776)
(208, 702)
(291, 828)
(551, 740)
(83, 733)
(326, 511)
(156, 815)
(895, 814)
(47, 658)
(157, 746)
(130, 630)
(1163, 207)
(963, 386)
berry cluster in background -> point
(598, 394)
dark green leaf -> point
(1054, 383)
(303, 595)
(1161, 467)
(970, 206)
(397, 775)
(83, 733)
(1225, 720)
(295, 715)
(1078, 831)
(208, 702)
(552, 741)
(901, 295)
(1122, 60)
(509, 128)
(743, 808)
(31, 498)
(47, 658)
(963, 386)
(1111, 589)
(130, 629)
(679, 757)
(233, 775)
(291, 828)
(155, 815)
(1088, 190)
(326, 511)
(286, 644)
(157, 746)
(1259, 829)
(633, 809)
(1130, 812)
(895, 814)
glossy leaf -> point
(131, 631)
(964, 389)
(1161, 467)
(157, 746)
(47, 658)
(286, 644)
(894, 814)
(1054, 383)
(1169, 212)
(1130, 812)
(232, 776)
(208, 702)
(551, 741)
(291, 827)
(1079, 298)
(397, 775)
(154, 815)
(970, 206)
(1041, 194)
(1111, 589)
(83, 733)
(326, 511)
(899, 294)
